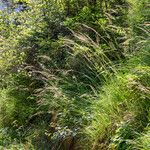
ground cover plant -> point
(74, 75)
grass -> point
(143, 142)
(116, 118)
(121, 113)
(94, 109)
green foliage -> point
(123, 108)
(144, 140)
(65, 82)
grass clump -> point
(143, 142)
(121, 113)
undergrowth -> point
(75, 75)
(122, 113)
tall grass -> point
(121, 112)
(79, 94)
